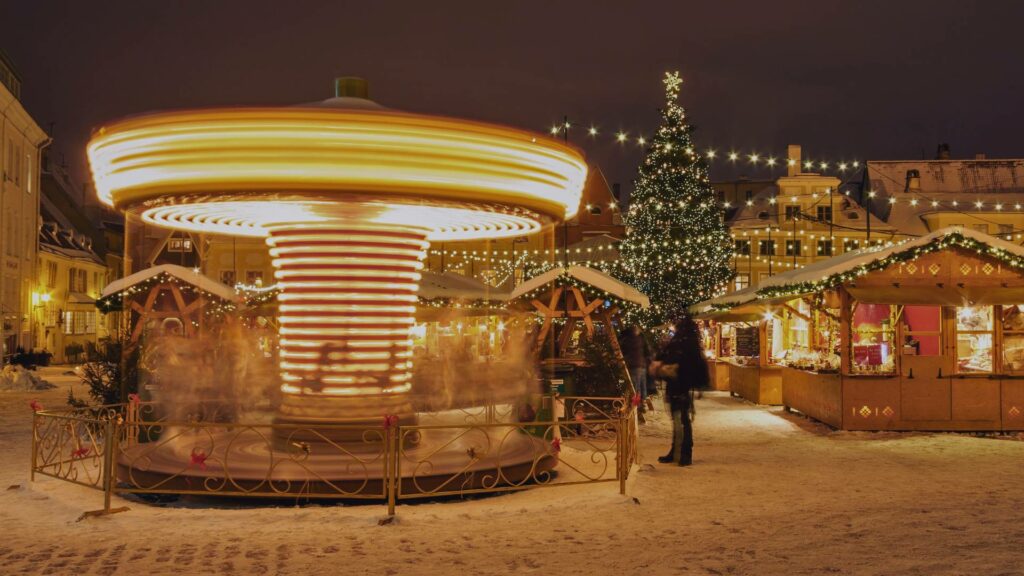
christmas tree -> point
(677, 248)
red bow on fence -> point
(35, 406)
(198, 458)
(636, 400)
(390, 420)
(556, 445)
(80, 452)
(134, 399)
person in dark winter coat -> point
(680, 363)
(637, 355)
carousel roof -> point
(587, 275)
(849, 262)
(180, 272)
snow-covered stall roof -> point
(458, 287)
(587, 275)
(180, 272)
(849, 262)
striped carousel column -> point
(347, 303)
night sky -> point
(864, 80)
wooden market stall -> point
(735, 343)
(927, 334)
(169, 298)
(574, 301)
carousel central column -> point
(347, 303)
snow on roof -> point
(180, 272)
(846, 262)
(595, 278)
(943, 181)
(457, 286)
(748, 216)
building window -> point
(78, 280)
(1006, 231)
(872, 335)
(792, 213)
(79, 322)
(742, 281)
(51, 274)
(767, 247)
(254, 277)
(850, 245)
(1013, 338)
(750, 195)
(179, 245)
(981, 228)
(227, 277)
(743, 247)
(824, 247)
(52, 312)
(792, 248)
(974, 336)
(824, 213)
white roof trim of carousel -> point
(188, 275)
(846, 262)
(595, 278)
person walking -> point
(682, 366)
(637, 354)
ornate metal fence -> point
(141, 449)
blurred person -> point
(680, 363)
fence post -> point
(391, 465)
(621, 456)
(108, 461)
(35, 435)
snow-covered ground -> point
(768, 494)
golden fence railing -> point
(144, 448)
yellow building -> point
(805, 217)
(801, 218)
(71, 276)
(21, 140)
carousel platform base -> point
(252, 461)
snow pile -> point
(17, 378)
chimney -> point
(793, 160)
(351, 87)
(913, 181)
(979, 157)
(943, 152)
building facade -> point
(21, 140)
(805, 217)
(71, 276)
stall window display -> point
(974, 339)
(727, 341)
(872, 336)
(922, 331)
(802, 337)
(1013, 338)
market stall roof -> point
(458, 287)
(180, 272)
(771, 288)
(587, 275)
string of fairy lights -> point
(636, 140)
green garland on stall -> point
(954, 239)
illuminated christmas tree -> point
(677, 248)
